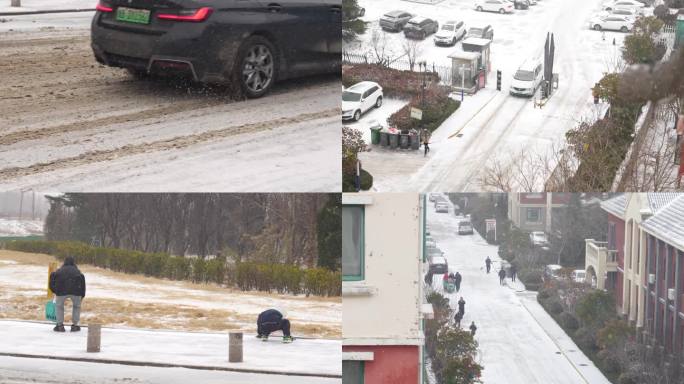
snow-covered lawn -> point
(15, 227)
(303, 356)
(380, 115)
(519, 342)
(503, 125)
(15, 370)
(46, 5)
(124, 300)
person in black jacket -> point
(270, 321)
(68, 283)
(457, 281)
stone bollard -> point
(235, 347)
(94, 332)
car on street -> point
(450, 32)
(250, 44)
(527, 78)
(501, 6)
(629, 12)
(442, 208)
(465, 228)
(438, 264)
(395, 21)
(613, 22)
(539, 239)
(483, 32)
(359, 98)
(420, 27)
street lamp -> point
(423, 67)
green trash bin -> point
(375, 135)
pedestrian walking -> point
(473, 328)
(270, 321)
(426, 141)
(457, 281)
(488, 263)
(457, 319)
(502, 276)
(461, 306)
(68, 283)
(514, 272)
(428, 278)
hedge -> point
(395, 83)
(247, 276)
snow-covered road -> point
(519, 342)
(15, 370)
(499, 127)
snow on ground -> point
(162, 303)
(379, 115)
(519, 342)
(502, 125)
(46, 5)
(15, 370)
(19, 228)
(303, 356)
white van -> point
(527, 78)
(579, 275)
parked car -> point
(450, 33)
(579, 276)
(613, 22)
(359, 98)
(442, 208)
(551, 272)
(633, 4)
(438, 264)
(214, 41)
(395, 21)
(527, 78)
(465, 228)
(484, 32)
(432, 197)
(629, 12)
(539, 239)
(501, 6)
(420, 27)
(520, 4)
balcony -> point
(598, 254)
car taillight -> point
(195, 15)
(103, 8)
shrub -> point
(438, 107)
(568, 321)
(553, 305)
(395, 83)
(585, 339)
(532, 278)
(595, 308)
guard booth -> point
(481, 46)
(464, 71)
(679, 37)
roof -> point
(656, 201)
(477, 41)
(461, 54)
(667, 223)
(616, 206)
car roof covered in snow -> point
(361, 86)
(394, 13)
(438, 260)
(667, 223)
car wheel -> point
(624, 29)
(597, 27)
(256, 66)
(357, 115)
(502, 11)
(423, 35)
(139, 74)
(479, 9)
(378, 102)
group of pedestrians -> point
(455, 277)
(512, 270)
(459, 316)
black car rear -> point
(249, 42)
(420, 30)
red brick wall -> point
(396, 364)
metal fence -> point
(444, 72)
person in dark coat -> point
(271, 321)
(68, 283)
(461, 306)
(514, 272)
(457, 281)
(502, 276)
(488, 263)
(457, 319)
(473, 328)
(428, 278)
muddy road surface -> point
(70, 124)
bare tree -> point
(412, 49)
(380, 48)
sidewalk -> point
(305, 357)
(46, 6)
(566, 346)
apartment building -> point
(536, 211)
(383, 300)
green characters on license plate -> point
(131, 15)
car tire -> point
(502, 11)
(479, 9)
(357, 115)
(624, 29)
(423, 35)
(597, 27)
(378, 102)
(256, 66)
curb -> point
(23, 13)
(166, 365)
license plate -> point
(132, 15)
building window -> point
(352, 242)
(352, 372)
(533, 215)
(611, 236)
